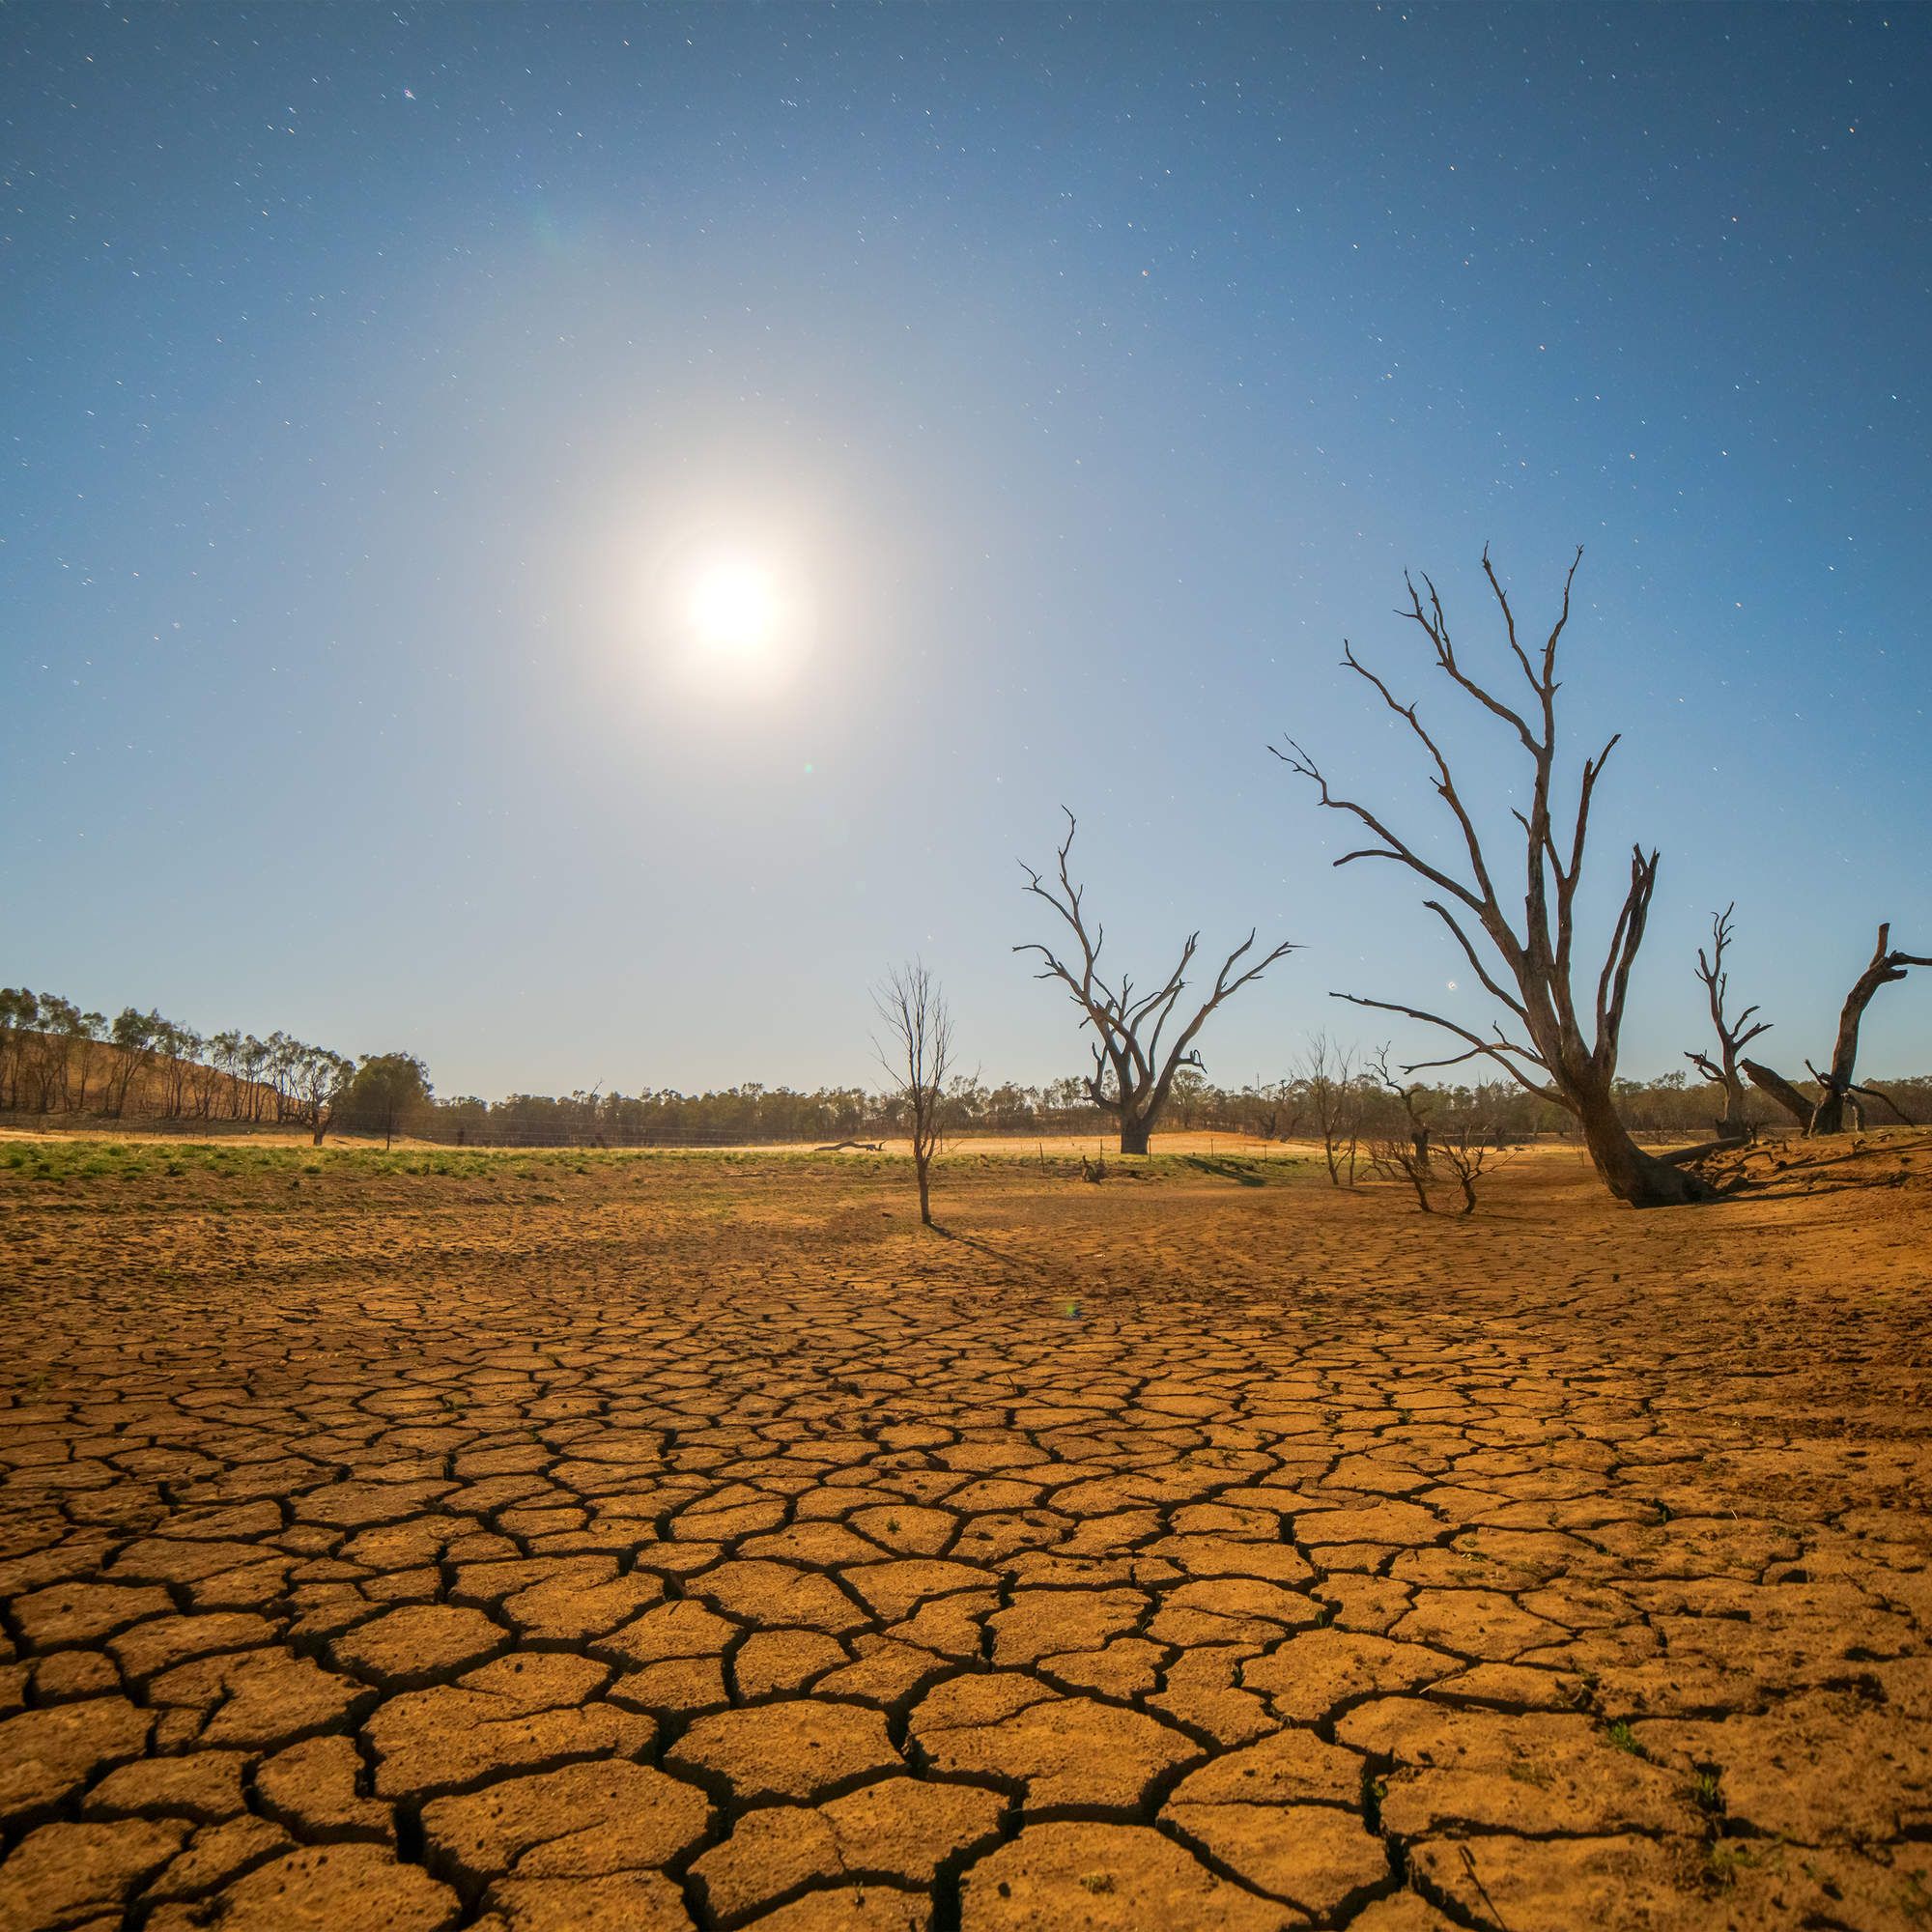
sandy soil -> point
(658, 1541)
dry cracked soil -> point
(394, 1545)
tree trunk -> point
(1734, 1122)
(1884, 969)
(925, 1195)
(1627, 1171)
(1782, 1091)
(1134, 1134)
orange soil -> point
(696, 1542)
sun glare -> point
(734, 606)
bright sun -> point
(734, 606)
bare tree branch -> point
(1770, 1081)
(1130, 1030)
(1495, 1049)
(1733, 1035)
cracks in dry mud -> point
(948, 1613)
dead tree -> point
(916, 1055)
(1836, 1080)
(1838, 1092)
(1273, 1114)
(1531, 972)
(1129, 1026)
(1401, 1155)
(1467, 1160)
(1327, 1077)
(1733, 1035)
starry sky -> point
(374, 375)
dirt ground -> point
(657, 1542)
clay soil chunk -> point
(1109, 1878)
(797, 1748)
(668, 1631)
(1474, 1623)
(629, 1902)
(1825, 1767)
(781, 1660)
(775, 1595)
(571, 1608)
(338, 1889)
(585, 1821)
(420, 1643)
(852, 1907)
(314, 1788)
(1293, 1766)
(260, 1699)
(1315, 1855)
(217, 1853)
(145, 1649)
(1615, 1884)
(429, 1741)
(1317, 1671)
(1038, 1623)
(900, 1828)
(62, 1875)
(205, 1786)
(1530, 1772)
(46, 1754)
(85, 1612)
(1066, 1752)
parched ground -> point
(650, 1543)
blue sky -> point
(378, 379)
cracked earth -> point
(662, 1544)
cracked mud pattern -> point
(694, 1545)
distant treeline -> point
(58, 1060)
(1292, 1108)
